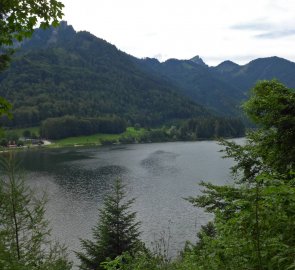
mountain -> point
(227, 67)
(63, 72)
(246, 76)
(222, 88)
(198, 60)
(196, 81)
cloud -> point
(267, 30)
(151, 34)
(276, 34)
(160, 56)
(253, 26)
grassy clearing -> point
(20, 131)
(135, 133)
(97, 139)
(84, 140)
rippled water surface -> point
(158, 175)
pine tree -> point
(24, 233)
(117, 231)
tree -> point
(27, 133)
(117, 231)
(24, 234)
(254, 218)
(17, 21)
(272, 108)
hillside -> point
(222, 88)
(195, 80)
(63, 72)
(246, 76)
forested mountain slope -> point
(246, 76)
(62, 72)
(194, 79)
(222, 88)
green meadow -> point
(99, 138)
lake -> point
(158, 175)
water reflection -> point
(89, 184)
(159, 162)
(49, 160)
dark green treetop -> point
(272, 107)
(117, 231)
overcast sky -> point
(217, 30)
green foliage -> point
(5, 108)
(5, 58)
(11, 136)
(272, 108)
(254, 224)
(211, 127)
(27, 133)
(255, 217)
(20, 131)
(116, 232)
(95, 139)
(138, 261)
(70, 126)
(17, 21)
(100, 138)
(19, 18)
(24, 234)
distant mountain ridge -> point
(63, 72)
(245, 76)
(227, 66)
(222, 88)
(199, 83)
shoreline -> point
(56, 145)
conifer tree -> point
(24, 233)
(117, 231)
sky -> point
(216, 30)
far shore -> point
(52, 144)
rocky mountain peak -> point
(198, 60)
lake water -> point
(158, 175)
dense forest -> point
(61, 72)
(211, 127)
(70, 126)
(189, 130)
(199, 83)
(222, 88)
